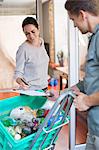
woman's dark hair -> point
(30, 20)
(74, 6)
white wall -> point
(46, 22)
(61, 32)
(60, 26)
(83, 44)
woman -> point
(31, 58)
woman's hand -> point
(22, 83)
(52, 94)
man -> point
(85, 16)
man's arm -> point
(94, 99)
(83, 102)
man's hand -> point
(81, 100)
(75, 88)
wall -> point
(11, 34)
(61, 33)
(60, 27)
(83, 44)
(46, 22)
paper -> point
(6, 90)
(26, 92)
(31, 92)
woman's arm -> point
(20, 65)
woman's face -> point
(31, 32)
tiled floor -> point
(7, 95)
(81, 131)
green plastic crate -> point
(7, 142)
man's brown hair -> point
(74, 6)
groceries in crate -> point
(23, 113)
(7, 121)
(23, 121)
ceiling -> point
(16, 3)
(16, 7)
